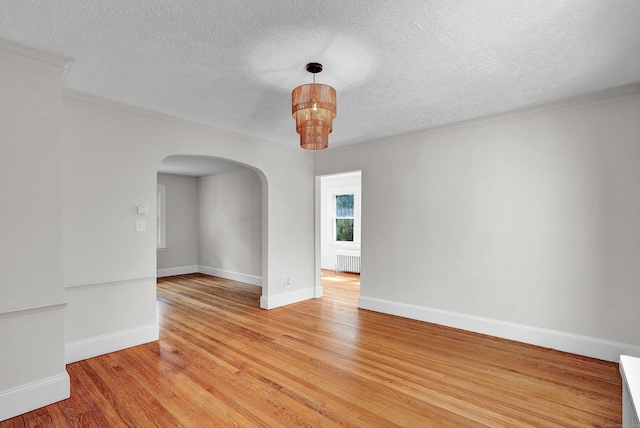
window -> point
(344, 208)
(161, 216)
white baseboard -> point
(220, 273)
(272, 302)
(235, 276)
(99, 345)
(567, 342)
(182, 270)
(25, 398)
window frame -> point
(338, 191)
(336, 217)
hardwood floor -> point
(222, 361)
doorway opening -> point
(338, 232)
(210, 219)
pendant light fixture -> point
(313, 107)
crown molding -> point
(129, 109)
(38, 57)
(594, 98)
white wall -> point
(529, 219)
(214, 225)
(332, 185)
(182, 204)
(230, 223)
(112, 153)
(524, 225)
(32, 301)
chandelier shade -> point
(313, 106)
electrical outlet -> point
(213, 262)
(288, 283)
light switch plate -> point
(140, 225)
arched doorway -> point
(210, 218)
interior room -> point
(491, 149)
(210, 219)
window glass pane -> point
(344, 229)
(344, 206)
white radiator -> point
(630, 371)
(348, 261)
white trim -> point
(272, 302)
(37, 56)
(181, 270)
(32, 310)
(161, 217)
(108, 283)
(25, 398)
(99, 345)
(334, 215)
(129, 109)
(630, 372)
(319, 292)
(235, 276)
(595, 98)
(567, 342)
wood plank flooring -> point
(222, 361)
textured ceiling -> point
(397, 65)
